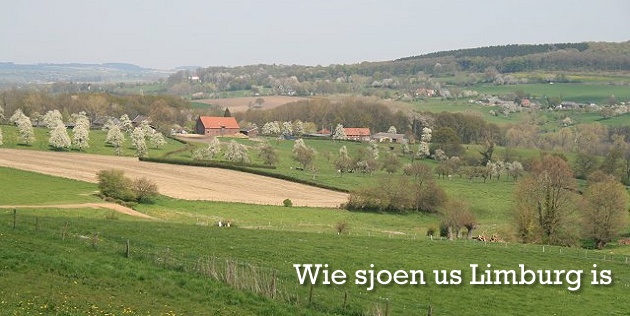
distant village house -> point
(389, 137)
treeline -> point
(503, 51)
(326, 113)
(365, 112)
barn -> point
(216, 126)
(361, 134)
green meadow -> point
(75, 262)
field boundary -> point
(102, 205)
(248, 168)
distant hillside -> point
(502, 51)
(592, 56)
(76, 72)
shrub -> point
(287, 203)
(145, 190)
(431, 231)
(114, 184)
(342, 227)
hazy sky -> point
(169, 33)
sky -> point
(164, 34)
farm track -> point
(182, 182)
(109, 206)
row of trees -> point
(138, 135)
(165, 111)
(59, 139)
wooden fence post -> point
(14, 218)
(310, 295)
(430, 312)
(127, 249)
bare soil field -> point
(183, 182)
(242, 104)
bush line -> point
(243, 167)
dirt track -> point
(184, 182)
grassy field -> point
(73, 261)
(23, 187)
(86, 275)
(97, 143)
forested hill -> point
(502, 51)
(591, 56)
(352, 78)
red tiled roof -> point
(218, 122)
(357, 131)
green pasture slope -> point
(167, 272)
(73, 262)
(19, 187)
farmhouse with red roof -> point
(358, 133)
(216, 126)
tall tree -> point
(303, 154)
(139, 142)
(125, 124)
(116, 138)
(544, 201)
(157, 140)
(339, 133)
(24, 125)
(604, 212)
(227, 113)
(268, 154)
(59, 138)
(236, 152)
(81, 131)
(343, 163)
